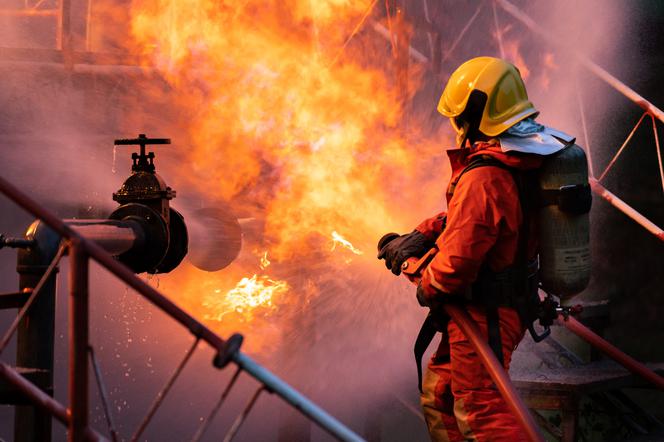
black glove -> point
(400, 249)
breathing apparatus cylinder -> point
(564, 223)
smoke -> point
(263, 123)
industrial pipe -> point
(611, 351)
(116, 237)
(271, 381)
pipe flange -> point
(230, 349)
(150, 250)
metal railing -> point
(649, 109)
(80, 252)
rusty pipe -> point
(495, 370)
(611, 351)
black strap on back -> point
(490, 300)
(424, 337)
(433, 324)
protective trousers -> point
(460, 400)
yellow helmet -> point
(506, 97)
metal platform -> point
(562, 389)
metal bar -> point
(206, 423)
(29, 12)
(659, 150)
(495, 370)
(34, 394)
(586, 139)
(272, 382)
(416, 411)
(164, 391)
(548, 426)
(499, 32)
(240, 419)
(78, 341)
(414, 53)
(15, 243)
(65, 26)
(296, 399)
(430, 35)
(390, 33)
(462, 34)
(620, 151)
(626, 209)
(41, 399)
(123, 62)
(104, 396)
(611, 351)
(88, 27)
(585, 61)
(636, 409)
(355, 31)
(14, 300)
(21, 314)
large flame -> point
(286, 116)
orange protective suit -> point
(459, 399)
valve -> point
(145, 198)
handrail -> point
(626, 209)
(612, 81)
(272, 382)
(610, 350)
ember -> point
(246, 298)
(264, 262)
(340, 240)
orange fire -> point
(264, 262)
(246, 298)
(343, 242)
(283, 115)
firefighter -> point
(487, 247)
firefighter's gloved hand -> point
(400, 249)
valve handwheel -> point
(141, 160)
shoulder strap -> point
(479, 161)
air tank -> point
(564, 223)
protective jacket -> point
(479, 232)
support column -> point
(35, 334)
